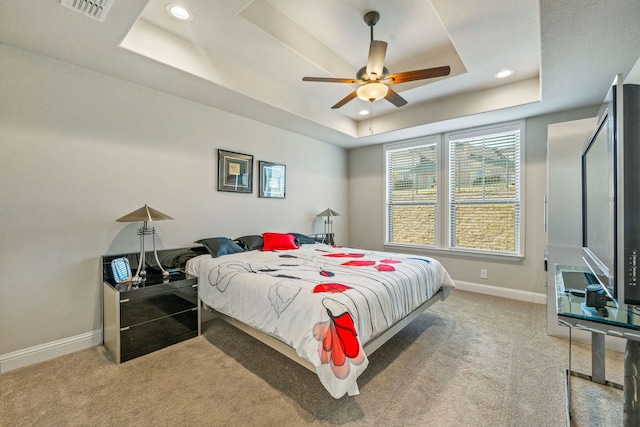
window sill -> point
(427, 250)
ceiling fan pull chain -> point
(371, 119)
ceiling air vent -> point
(96, 9)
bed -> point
(325, 307)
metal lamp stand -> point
(145, 214)
(141, 272)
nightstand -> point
(159, 312)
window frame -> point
(408, 144)
(443, 208)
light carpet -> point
(472, 360)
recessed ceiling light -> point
(364, 112)
(179, 12)
(504, 73)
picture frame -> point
(235, 172)
(273, 180)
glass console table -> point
(621, 320)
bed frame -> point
(371, 346)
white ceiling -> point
(249, 57)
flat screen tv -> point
(611, 194)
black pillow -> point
(302, 239)
(178, 258)
(251, 242)
(218, 246)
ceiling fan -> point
(375, 78)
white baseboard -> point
(497, 291)
(42, 352)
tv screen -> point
(611, 194)
(599, 220)
(599, 195)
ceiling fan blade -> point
(375, 63)
(345, 99)
(395, 99)
(330, 80)
(427, 73)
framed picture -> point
(235, 172)
(273, 180)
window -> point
(484, 189)
(478, 196)
(411, 193)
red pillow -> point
(278, 241)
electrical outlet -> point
(483, 273)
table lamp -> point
(328, 225)
(145, 214)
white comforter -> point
(324, 302)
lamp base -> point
(141, 272)
(327, 238)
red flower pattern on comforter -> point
(338, 338)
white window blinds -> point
(411, 193)
(484, 189)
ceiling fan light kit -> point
(375, 78)
(372, 91)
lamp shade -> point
(145, 213)
(372, 91)
(328, 212)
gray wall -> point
(367, 216)
(80, 149)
